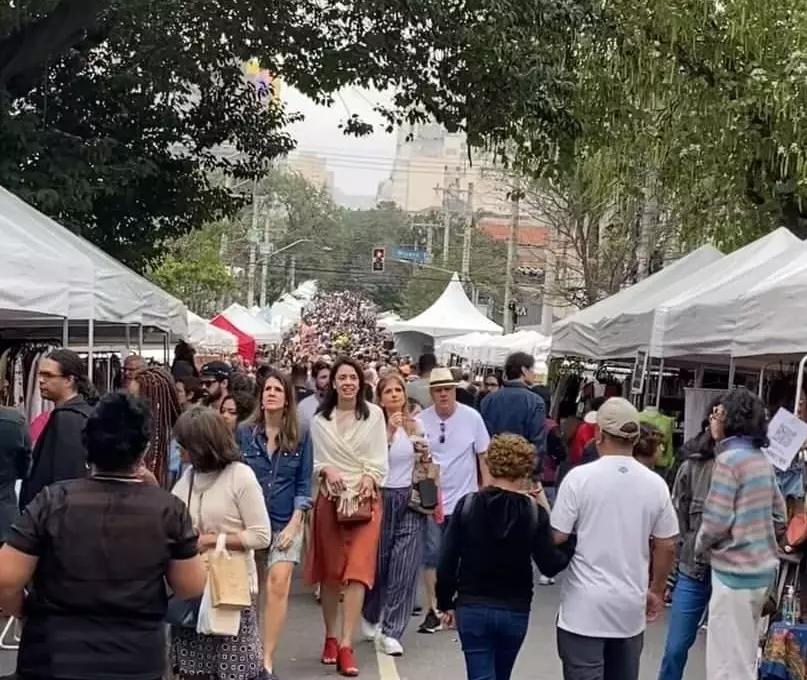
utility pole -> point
(466, 235)
(293, 273)
(446, 228)
(265, 252)
(515, 208)
(253, 247)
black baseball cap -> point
(218, 369)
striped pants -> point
(400, 553)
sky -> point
(358, 164)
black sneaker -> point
(431, 624)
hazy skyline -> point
(358, 164)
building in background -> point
(312, 167)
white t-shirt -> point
(464, 437)
(306, 410)
(615, 505)
(401, 461)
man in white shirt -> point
(307, 408)
(458, 440)
(615, 506)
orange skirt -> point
(338, 553)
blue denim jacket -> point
(289, 487)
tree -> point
(112, 111)
(192, 270)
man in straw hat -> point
(616, 506)
(458, 440)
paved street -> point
(437, 656)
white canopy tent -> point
(452, 314)
(108, 291)
(696, 315)
(207, 338)
(493, 350)
(773, 314)
(467, 346)
(386, 319)
(580, 333)
(255, 327)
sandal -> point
(330, 651)
(346, 664)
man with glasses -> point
(60, 453)
(132, 365)
(215, 379)
(458, 440)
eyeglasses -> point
(45, 375)
(208, 382)
(442, 438)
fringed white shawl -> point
(360, 450)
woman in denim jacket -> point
(283, 463)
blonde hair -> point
(409, 424)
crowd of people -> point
(381, 478)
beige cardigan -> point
(230, 502)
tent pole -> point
(165, 348)
(732, 371)
(65, 332)
(128, 337)
(140, 339)
(760, 389)
(658, 387)
(90, 345)
(799, 383)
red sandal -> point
(346, 663)
(330, 651)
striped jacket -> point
(737, 531)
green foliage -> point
(192, 269)
(110, 110)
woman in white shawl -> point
(349, 437)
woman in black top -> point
(484, 580)
(98, 552)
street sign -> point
(410, 254)
(379, 255)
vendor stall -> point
(251, 331)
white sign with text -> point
(786, 434)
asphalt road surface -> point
(437, 656)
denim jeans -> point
(689, 602)
(491, 639)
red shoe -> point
(346, 664)
(330, 652)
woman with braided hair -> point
(157, 388)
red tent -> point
(246, 343)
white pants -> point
(733, 636)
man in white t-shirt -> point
(458, 440)
(616, 506)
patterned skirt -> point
(218, 657)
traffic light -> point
(379, 254)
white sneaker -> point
(390, 646)
(369, 631)
(545, 581)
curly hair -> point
(648, 442)
(510, 456)
(117, 432)
(745, 416)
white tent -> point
(256, 328)
(680, 314)
(207, 338)
(109, 291)
(579, 333)
(773, 314)
(703, 319)
(451, 314)
(497, 349)
(466, 346)
(386, 319)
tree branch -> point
(24, 52)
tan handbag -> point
(229, 577)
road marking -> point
(387, 670)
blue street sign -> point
(410, 254)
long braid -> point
(157, 388)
